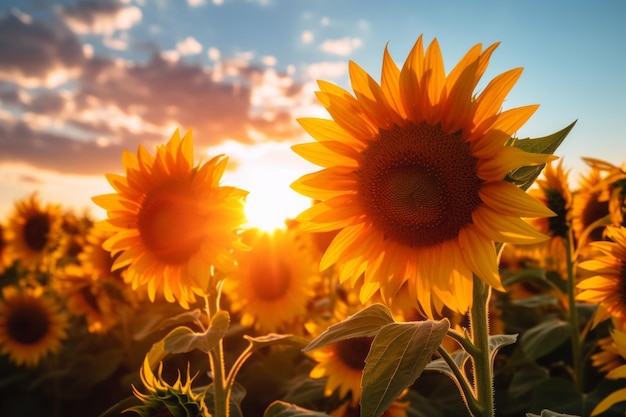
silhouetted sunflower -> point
(31, 325)
(33, 232)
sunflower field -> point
(444, 268)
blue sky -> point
(81, 81)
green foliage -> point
(283, 409)
(397, 357)
(182, 339)
(548, 413)
(545, 337)
(524, 177)
(365, 323)
(274, 339)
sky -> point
(81, 81)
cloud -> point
(100, 16)
(324, 70)
(36, 54)
(189, 46)
(117, 104)
(307, 36)
(341, 47)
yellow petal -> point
(490, 101)
(510, 200)
(479, 253)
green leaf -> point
(557, 394)
(548, 413)
(273, 339)
(440, 365)
(545, 337)
(540, 300)
(182, 339)
(524, 177)
(521, 389)
(365, 323)
(498, 341)
(154, 323)
(397, 357)
(283, 409)
(118, 408)
(237, 394)
(525, 275)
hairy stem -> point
(479, 326)
(221, 393)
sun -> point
(266, 171)
(271, 201)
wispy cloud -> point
(341, 47)
(99, 17)
(189, 46)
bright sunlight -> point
(271, 201)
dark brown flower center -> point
(594, 210)
(558, 225)
(171, 224)
(353, 351)
(35, 232)
(27, 324)
(419, 184)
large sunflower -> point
(33, 232)
(605, 286)
(414, 176)
(172, 220)
(31, 325)
(275, 281)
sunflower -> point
(31, 325)
(605, 286)
(612, 188)
(275, 281)
(95, 259)
(553, 191)
(33, 232)
(608, 357)
(171, 220)
(414, 176)
(342, 363)
(618, 396)
(163, 399)
(100, 301)
(590, 204)
(6, 258)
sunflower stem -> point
(221, 393)
(461, 380)
(483, 372)
(573, 315)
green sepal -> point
(525, 176)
